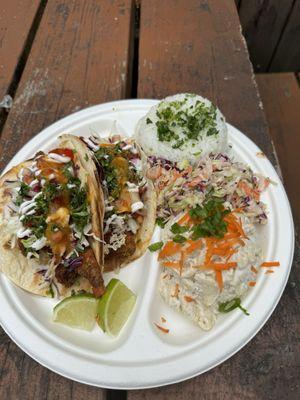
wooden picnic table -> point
(59, 56)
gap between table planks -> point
(280, 94)
(18, 22)
(264, 24)
(80, 56)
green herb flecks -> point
(179, 239)
(79, 210)
(23, 192)
(37, 221)
(211, 220)
(148, 121)
(176, 228)
(160, 222)
(68, 170)
(231, 305)
(155, 246)
(194, 121)
(105, 156)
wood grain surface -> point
(205, 54)
(80, 57)
(263, 23)
(280, 94)
(16, 19)
(287, 55)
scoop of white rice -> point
(182, 127)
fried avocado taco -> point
(129, 199)
(50, 222)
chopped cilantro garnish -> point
(67, 170)
(231, 305)
(105, 156)
(193, 121)
(160, 222)
(37, 221)
(78, 204)
(23, 192)
(176, 228)
(179, 239)
(155, 246)
(211, 216)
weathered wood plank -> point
(262, 22)
(80, 57)
(205, 54)
(280, 95)
(16, 18)
(287, 55)
(23, 378)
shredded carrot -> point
(209, 245)
(238, 210)
(164, 330)
(194, 245)
(235, 224)
(252, 283)
(218, 250)
(188, 299)
(223, 266)
(230, 254)
(176, 291)
(183, 220)
(181, 262)
(249, 191)
(169, 249)
(219, 279)
(217, 266)
(270, 264)
(195, 181)
(253, 269)
(171, 264)
(163, 319)
(269, 271)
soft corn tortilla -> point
(23, 271)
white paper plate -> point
(143, 356)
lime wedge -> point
(114, 307)
(77, 311)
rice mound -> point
(191, 110)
